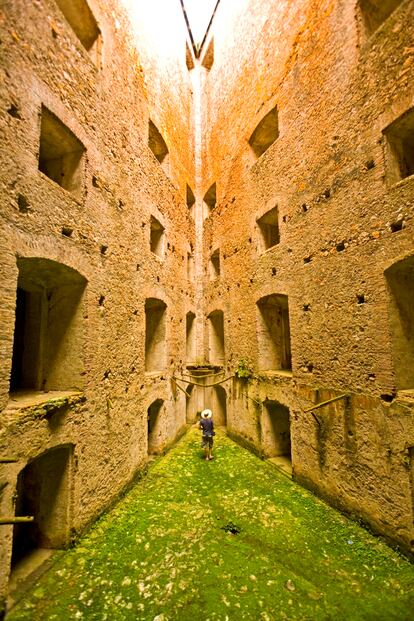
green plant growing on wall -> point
(243, 370)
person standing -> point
(207, 427)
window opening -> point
(189, 60)
(190, 198)
(60, 154)
(155, 426)
(155, 334)
(268, 227)
(157, 235)
(48, 333)
(215, 265)
(157, 145)
(273, 333)
(208, 58)
(265, 134)
(43, 491)
(83, 23)
(191, 352)
(400, 147)
(216, 337)
(375, 12)
(210, 198)
(275, 427)
(400, 281)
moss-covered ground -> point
(167, 552)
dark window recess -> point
(265, 133)
(268, 226)
(157, 233)
(215, 265)
(375, 12)
(48, 332)
(189, 59)
(208, 58)
(60, 154)
(210, 197)
(400, 147)
(273, 332)
(83, 23)
(157, 143)
(190, 199)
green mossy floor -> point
(163, 554)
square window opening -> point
(400, 147)
(268, 228)
(61, 154)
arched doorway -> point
(154, 426)
(43, 491)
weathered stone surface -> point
(324, 175)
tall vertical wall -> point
(100, 237)
(342, 221)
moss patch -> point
(227, 540)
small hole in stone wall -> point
(138, 267)
(326, 193)
(101, 300)
(371, 376)
(369, 164)
(285, 219)
(158, 279)
(361, 298)
(309, 367)
(95, 182)
(306, 307)
(23, 204)
(340, 247)
(107, 374)
(135, 312)
(305, 207)
(14, 111)
(274, 271)
(104, 250)
(397, 226)
(250, 240)
(67, 231)
(307, 259)
(388, 398)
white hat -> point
(206, 414)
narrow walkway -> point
(224, 540)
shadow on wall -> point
(400, 281)
(44, 490)
(48, 336)
(155, 426)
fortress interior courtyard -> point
(207, 204)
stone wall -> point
(79, 186)
(336, 84)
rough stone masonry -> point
(171, 218)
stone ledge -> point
(33, 404)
